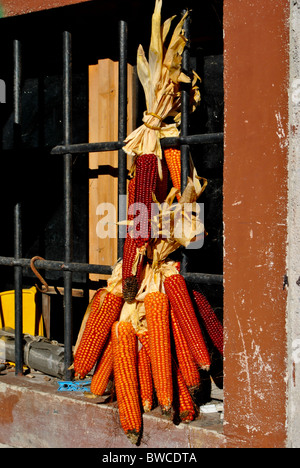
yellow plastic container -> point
(32, 317)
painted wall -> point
(294, 233)
(256, 82)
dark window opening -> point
(34, 177)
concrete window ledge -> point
(35, 415)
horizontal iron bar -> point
(206, 138)
(201, 139)
(57, 266)
(88, 147)
(97, 269)
(204, 278)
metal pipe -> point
(122, 133)
(38, 353)
(68, 198)
(17, 82)
(18, 273)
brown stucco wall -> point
(294, 232)
(255, 220)
(19, 7)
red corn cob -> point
(182, 306)
(130, 280)
(103, 370)
(96, 333)
(124, 343)
(145, 185)
(186, 408)
(157, 316)
(212, 323)
(145, 379)
(186, 362)
(131, 197)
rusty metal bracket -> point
(38, 275)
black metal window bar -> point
(67, 150)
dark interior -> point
(94, 27)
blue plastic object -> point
(73, 386)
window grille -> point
(67, 152)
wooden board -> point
(103, 184)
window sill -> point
(35, 415)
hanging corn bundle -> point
(161, 78)
(141, 330)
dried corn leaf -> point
(114, 282)
(160, 77)
(176, 225)
(129, 313)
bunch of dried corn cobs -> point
(142, 331)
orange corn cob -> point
(182, 306)
(145, 379)
(96, 301)
(184, 401)
(173, 159)
(96, 333)
(124, 342)
(145, 185)
(103, 370)
(211, 322)
(186, 362)
(157, 316)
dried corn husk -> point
(161, 77)
(114, 282)
(175, 226)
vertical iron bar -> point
(18, 273)
(185, 100)
(122, 133)
(67, 122)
